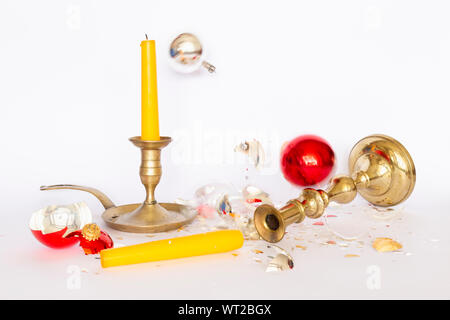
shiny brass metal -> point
(382, 172)
(149, 216)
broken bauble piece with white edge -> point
(51, 225)
(281, 260)
(255, 152)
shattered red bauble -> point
(51, 225)
(307, 160)
(92, 239)
(55, 240)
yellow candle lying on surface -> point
(149, 92)
(181, 247)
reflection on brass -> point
(382, 172)
(149, 216)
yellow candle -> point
(181, 247)
(149, 92)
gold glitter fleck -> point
(91, 232)
(301, 247)
(351, 256)
(386, 245)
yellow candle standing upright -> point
(149, 92)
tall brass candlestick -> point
(150, 171)
(150, 216)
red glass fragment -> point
(55, 240)
(93, 246)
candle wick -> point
(146, 37)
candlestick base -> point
(148, 218)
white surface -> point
(69, 73)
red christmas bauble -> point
(307, 160)
(92, 239)
(55, 240)
(52, 224)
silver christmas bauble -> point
(186, 54)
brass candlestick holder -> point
(381, 169)
(149, 216)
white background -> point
(70, 99)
